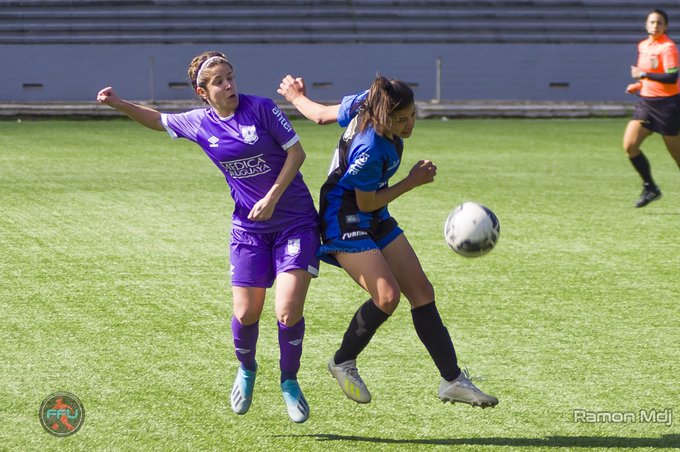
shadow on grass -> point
(618, 442)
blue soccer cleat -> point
(298, 408)
(242, 391)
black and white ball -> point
(472, 230)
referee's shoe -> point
(649, 193)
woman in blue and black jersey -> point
(361, 236)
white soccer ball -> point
(471, 229)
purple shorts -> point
(256, 258)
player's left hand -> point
(422, 172)
(633, 88)
(262, 210)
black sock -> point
(641, 165)
(434, 335)
(361, 329)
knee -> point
(388, 300)
(631, 149)
(427, 293)
(246, 318)
(289, 313)
(289, 318)
(422, 296)
(246, 311)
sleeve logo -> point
(359, 163)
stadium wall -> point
(488, 71)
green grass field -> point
(114, 286)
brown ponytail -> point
(384, 97)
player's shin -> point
(290, 345)
(361, 329)
(434, 335)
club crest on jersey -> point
(249, 134)
(654, 61)
(293, 248)
(350, 130)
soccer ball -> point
(471, 229)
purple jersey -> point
(249, 147)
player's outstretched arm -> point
(293, 90)
(146, 116)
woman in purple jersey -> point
(360, 235)
(274, 234)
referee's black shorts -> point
(659, 114)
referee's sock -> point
(361, 329)
(434, 335)
(641, 165)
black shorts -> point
(659, 114)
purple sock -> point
(290, 344)
(245, 342)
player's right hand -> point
(107, 96)
(291, 88)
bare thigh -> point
(248, 303)
(291, 291)
(673, 146)
(633, 137)
(371, 271)
(406, 268)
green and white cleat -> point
(349, 380)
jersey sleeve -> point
(364, 171)
(277, 124)
(349, 107)
(183, 125)
(640, 60)
(670, 58)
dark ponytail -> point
(384, 97)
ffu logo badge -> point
(249, 134)
(62, 414)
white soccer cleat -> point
(463, 390)
(349, 380)
(298, 408)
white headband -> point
(205, 64)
